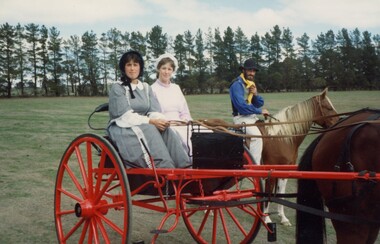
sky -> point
(313, 17)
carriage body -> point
(95, 192)
(219, 199)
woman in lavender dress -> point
(169, 95)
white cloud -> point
(336, 13)
(52, 12)
(186, 15)
(178, 16)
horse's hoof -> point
(267, 220)
(286, 223)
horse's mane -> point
(298, 112)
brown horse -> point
(353, 146)
(284, 150)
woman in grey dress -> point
(137, 126)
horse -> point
(278, 148)
(352, 145)
(282, 135)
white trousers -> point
(256, 144)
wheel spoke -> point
(76, 226)
(233, 217)
(102, 229)
(75, 180)
(84, 231)
(99, 192)
(111, 224)
(81, 166)
(65, 212)
(205, 217)
(214, 226)
(90, 170)
(224, 224)
(94, 232)
(69, 194)
(190, 213)
(104, 189)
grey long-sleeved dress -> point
(130, 122)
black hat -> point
(250, 64)
(128, 56)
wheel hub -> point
(86, 209)
(78, 210)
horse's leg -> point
(268, 189)
(267, 219)
(281, 190)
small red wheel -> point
(234, 223)
(92, 195)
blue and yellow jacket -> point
(240, 105)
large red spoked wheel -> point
(92, 195)
(234, 221)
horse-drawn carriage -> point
(220, 199)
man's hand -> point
(252, 90)
(161, 124)
(264, 112)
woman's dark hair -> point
(127, 57)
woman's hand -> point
(161, 124)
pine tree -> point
(8, 60)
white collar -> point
(163, 84)
(138, 85)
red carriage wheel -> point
(237, 221)
(92, 195)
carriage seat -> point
(216, 150)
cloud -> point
(178, 16)
(51, 12)
(336, 13)
(183, 15)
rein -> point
(219, 125)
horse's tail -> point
(309, 228)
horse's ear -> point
(324, 92)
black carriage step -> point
(272, 233)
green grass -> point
(35, 132)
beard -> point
(249, 77)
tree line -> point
(35, 60)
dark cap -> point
(250, 64)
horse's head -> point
(325, 110)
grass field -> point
(35, 132)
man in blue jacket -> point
(245, 108)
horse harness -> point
(355, 199)
(344, 165)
